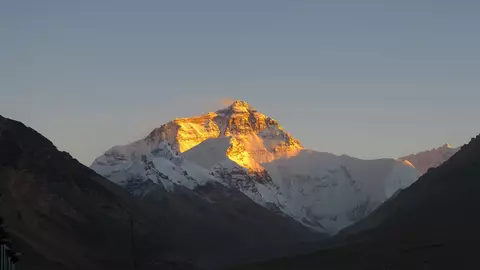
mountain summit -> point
(246, 150)
(240, 105)
(254, 137)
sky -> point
(369, 79)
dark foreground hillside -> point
(433, 224)
(62, 215)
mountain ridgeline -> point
(423, 161)
(430, 225)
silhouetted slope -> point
(433, 224)
(62, 215)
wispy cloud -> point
(226, 101)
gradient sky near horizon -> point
(365, 78)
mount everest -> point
(243, 149)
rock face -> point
(63, 215)
(243, 149)
(425, 160)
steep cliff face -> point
(243, 149)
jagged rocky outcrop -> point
(241, 148)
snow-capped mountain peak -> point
(246, 150)
(255, 138)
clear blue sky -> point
(365, 78)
